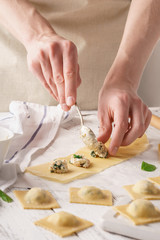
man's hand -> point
(54, 61)
(126, 110)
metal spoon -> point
(89, 138)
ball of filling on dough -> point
(63, 219)
(36, 195)
(79, 161)
(91, 193)
(91, 142)
(100, 150)
(59, 166)
(145, 187)
(141, 208)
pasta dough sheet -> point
(136, 220)
(97, 164)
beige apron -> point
(95, 26)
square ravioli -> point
(135, 195)
(63, 223)
(50, 203)
(141, 220)
(106, 200)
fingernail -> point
(113, 151)
(102, 130)
(70, 101)
(64, 107)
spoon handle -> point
(80, 115)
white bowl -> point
(6, 136)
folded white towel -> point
(34, 126)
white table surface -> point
(18, 224)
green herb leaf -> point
(148, 167)
(5, 197)
(77, 156)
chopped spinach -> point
(106, 155)
(77, 156)
(93, 154)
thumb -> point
(105, 128)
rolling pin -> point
(155, 121)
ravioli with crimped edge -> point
(143, 189)
(36, 198)
(91, 195)
(63, 223)
(139, 211)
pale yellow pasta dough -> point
(91, 195)
(143, 189)
(63, 223)
(97, 164)
(140, 212)
(155, 180)
(36, 198)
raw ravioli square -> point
(135, 195)
(20, 195)
(75, 198)
(122, 209)
(63, 231)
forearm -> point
(23, 20)
(141, 33)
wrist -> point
(123, 73)
(37, 28)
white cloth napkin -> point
(34, 126)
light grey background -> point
(149, 89)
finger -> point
(137, 125)
(147, 116)
(121, 125)
(57, 70)
(70, 68)
(78, 78)
(148, 119)
(47, 72)
(35, 68)
(105, 127)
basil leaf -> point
(77, 156)
(148, 167)
(5, 197)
